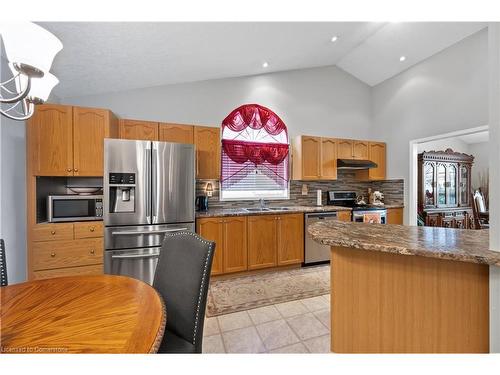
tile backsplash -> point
(393, 191)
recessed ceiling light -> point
(265, 64)
(334, 38)
(402, 58)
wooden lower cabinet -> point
(235, 244)
(96, 269)
(395, 216)
(66, 249)
(230, 237)
(211, 229)
(344, 215)
(262, 241)
(290, 239)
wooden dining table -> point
(81, 314)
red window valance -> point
(254, 116)
(242, 151)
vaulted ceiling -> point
(105, 56)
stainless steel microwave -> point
(62, 208)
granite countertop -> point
(443, 243)
(217, 212)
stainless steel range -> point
(149, 190)
(350, 199)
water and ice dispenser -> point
(122, 192)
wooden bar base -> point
(389, 303)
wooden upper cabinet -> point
(360, 150)
(50, 137)
(262, 244)
(207, 143)
(345, 149)
(311, 151)
(211, 229)
(314, 158)
(328, 169)
(290, 239)
(176, 133)
(90, 127)
(139, 130)
(377, 154)
(235, 244)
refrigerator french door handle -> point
(135, 256)
(160, 231)
(155, 187)
(148, 184)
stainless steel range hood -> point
(355, 164)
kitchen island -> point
(402, 289)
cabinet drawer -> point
(70, 271)
(53, 232)
(89, 229)
(49, 255)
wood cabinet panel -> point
(311, 153)
(377, 154)
(212, 230)
(262, 241)
(176, 133)
(345, 149)
(139, 130)
(59, 254)
(395, 216)
(360, 150)
(89, 229)
(207, 142)
(50, 140)
(290, 239)
(235, 244)
(90, 127)
(328, 170)
(52, 232)
(344, 215)
(96, 269)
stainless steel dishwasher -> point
(315, 252)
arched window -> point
(254, 154)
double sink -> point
(266, 209)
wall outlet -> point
(304, 189)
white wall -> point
(480, 151)
(445, 93)
(319, 101)
(454, 143)
(13, 191)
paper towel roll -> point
(318, 198)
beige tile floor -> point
(301, 326)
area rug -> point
(249, 292)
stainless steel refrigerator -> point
(149, 190)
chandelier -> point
(30, 50)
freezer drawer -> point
(136, 263)
(129, 237)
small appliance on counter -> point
(375, 198)
(73, 207)
(201, 203)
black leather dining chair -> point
(3, 265)
(182, 277)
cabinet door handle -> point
(52, 232)
(92, 229)
(52, 254)
(76, 169)
(92, 251)
(69, 169)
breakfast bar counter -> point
(403, 289)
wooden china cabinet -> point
(444, 189)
